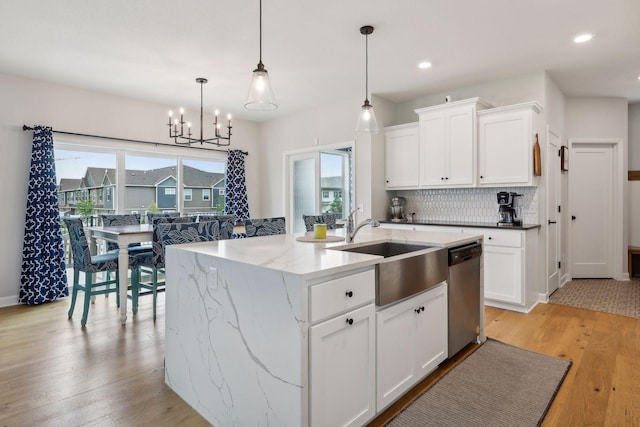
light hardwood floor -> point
(52, 372)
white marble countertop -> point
(284, 253)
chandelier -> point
(179, 136)
(261, 97)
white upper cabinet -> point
(402, 162)
(447, 143)
(505, 144)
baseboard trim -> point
(563, 281)
(9, 301)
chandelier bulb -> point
(181, 110)
(170, 113)
(216, 112)
(189, 124)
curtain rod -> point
(25, 128)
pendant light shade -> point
(261, 97)
(367, 120)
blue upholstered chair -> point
(84, 262)
(151, 262)
(325, 218)
(264, 226)
(226, 224)
(151, 215)
(110, 220)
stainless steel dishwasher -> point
(464, 295)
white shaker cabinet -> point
(448, 143)
(506, 136)
(412, 341)
(402, 160)
(342, 356)
(510, 264)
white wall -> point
(32, 102)
(634, 165)
(600, 117)
(514, 90)
(325, 125)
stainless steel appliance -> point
(508, 209)
(463, 295)
(397, 209)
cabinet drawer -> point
(338, 295)
(492, 237)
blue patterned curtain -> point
(235, 199)
(44, 275)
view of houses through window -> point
(90, 183)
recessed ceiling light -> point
(583, 38)
(424, 65)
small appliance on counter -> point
(508, 209)
(397, 209)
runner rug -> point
(497, 385)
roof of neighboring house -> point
(69, 184)
(94, 177)
(331, 182)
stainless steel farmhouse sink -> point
(402, 274)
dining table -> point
(123, 235)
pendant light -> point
(261, 97)
(367, 119)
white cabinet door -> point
(412, 341)
(503, 277)
(460, 147)
(342, 369)
(402, 159)
(505, 144)
(431, 331)
(432, 149)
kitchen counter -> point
(239, 321)
(466, 224)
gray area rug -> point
(497, 385)
(610, 296)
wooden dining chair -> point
(325, 218)
(152, 263)
(90, 265)
(255, 227)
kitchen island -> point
(273, 331)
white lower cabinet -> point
(503, 273)
(412, 341)
(342, 364)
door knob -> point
(573, 217)
(552, 222)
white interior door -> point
(591, 209)
(553, 225)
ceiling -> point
(154, 49)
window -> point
(188, 194)
(94, 178)
(319, 182)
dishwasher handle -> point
(464, 253)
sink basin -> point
(399, 277)
(386, 249)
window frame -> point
(121, 149)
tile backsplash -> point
(466, 204)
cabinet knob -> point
(419, 309)
(481, 176)
(387, 181)
(442, 179)
(350, 321)
(349, 294)
(446, 178)
(489, 237)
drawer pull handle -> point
(419, 309)
(349, 294)
(349, 321)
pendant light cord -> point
(366, 66)
(261, 31)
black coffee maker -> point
(508, 209)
